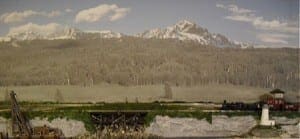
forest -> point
(130, 61)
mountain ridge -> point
(187, 30)
(183, 30)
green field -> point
(150, 93)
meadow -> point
(149, 93)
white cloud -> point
(35, 28)
(220, 6)
(68, 10)
(259, 22)
(15, 16)
(97, 13)
(274, 38)
(53, 14)
(239, 18)
(119, 13)
(235, 9)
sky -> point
(265, 23)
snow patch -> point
(221, 126)
(188, 31)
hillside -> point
(130, 61)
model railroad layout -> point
(122, 117)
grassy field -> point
(150, 93)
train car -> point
(241, 106)
(292, 107)
(274, 105)
(275, 101)
(281, 105)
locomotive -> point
(275, 102)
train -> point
(275, 100)
(274, 105)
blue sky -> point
(267, 23)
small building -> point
(265, 121)
(277, 93)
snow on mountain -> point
(5, 39)
(183, 30)
(54, 31)
(186, 30)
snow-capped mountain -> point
(54, 32)
(183, 30)
(186, 30)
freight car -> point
(281, 105)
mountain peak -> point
(187, 30)
(184, 25)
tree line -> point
(133, 61)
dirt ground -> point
(116, 93)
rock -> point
(234, 125)
(292, 130)
(70, 128)
(265, 132)
(3, 125)
(190, 127)
(286, 121)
